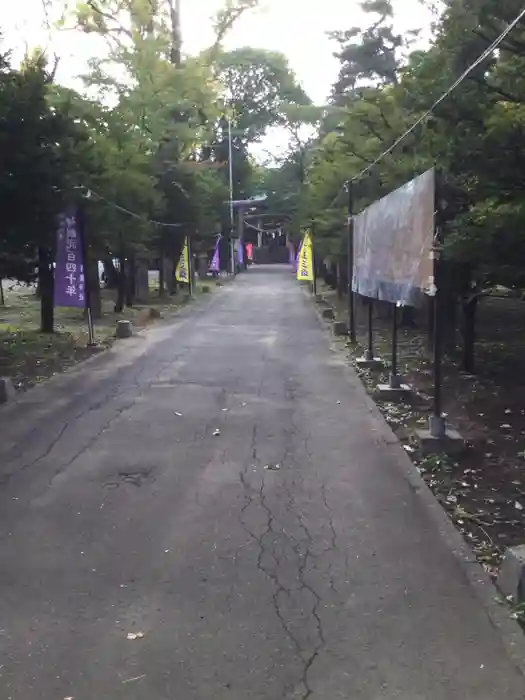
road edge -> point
(510, 633)
(109, 354)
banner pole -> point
(81, 214)
(190, 266)
(314, 271)
(350, 264)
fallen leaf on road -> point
(518, 505)
(135, 635)
(131, 680)
(225, 410)
(216, 432)
(178, 414)
(272, 467)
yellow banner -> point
(182, 272)
(305, 266)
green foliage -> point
(476, 137)
(42, 149)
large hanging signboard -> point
(393, 244)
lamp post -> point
(230, 170)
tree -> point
(40, 146)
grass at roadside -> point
(484, 492)
(28, 356)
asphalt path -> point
(218, 490)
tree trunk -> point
(340, 286)
(450, 319)
(121, 289)
(469, 308)
(2, 297)
(130, 279)
(46, 285)
(171, 279)
(162, 276)
(93, 281)
(142, 281)
(111, 274)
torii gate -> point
(242, 206)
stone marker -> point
(124, 329)
(340, 328)
(371, 363)
(511, 577)
(395, 390)
(7, 390)
(154, 313)
(328, 314)
(451, 443)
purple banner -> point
(215, 264)
(69, 265)
(240, 253)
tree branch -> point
(371, 128)
(225, 20)
(109, 17)
(492, 88)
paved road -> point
(325, 579)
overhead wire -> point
(90, 192)
(486, 54)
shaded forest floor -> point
(484, 492)
(29, 357)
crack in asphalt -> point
(93, 439)
(132, 384)
(302, 548)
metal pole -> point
(350, 265)
(395, 380)
(81, 217)
(370, 349)
(230, 171)
(436, 421)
